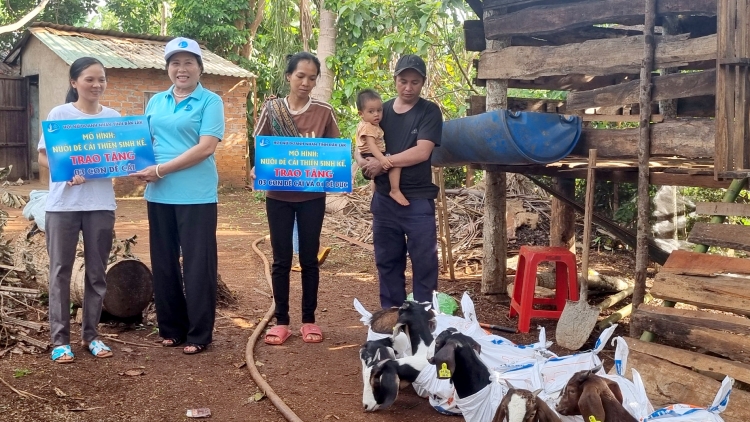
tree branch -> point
(260, 7)
(24, 20)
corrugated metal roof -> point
(122, 51)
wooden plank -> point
(731, 236)
(701, 319)
(676, 85)
(736, 370)
(722, 159)
(572, 82)
(541, 20)
(656, 118)
(21, 290)
(723, 293)
(22, 323)
(12, 108)
(572, 36)
(724, 344)
(723, 208)
(667, 383)
(674, 179)
(32, 341)
(685, 138)
(474, 35)
(603, 57)
(694, 263)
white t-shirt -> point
(94, 194)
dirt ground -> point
(318, 381)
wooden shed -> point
(135, 71)
(689, 62)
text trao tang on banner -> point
(303, 164)
(97, 148)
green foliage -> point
(367, 48)
(64, 12)
(21, 372)
(544, 94)
(134, 16)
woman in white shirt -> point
(75, 206)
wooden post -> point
(644, 144)
(562, 228)
(494, 233)
(668, 108)
(732, 87)
(444, 228)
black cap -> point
(411, 61)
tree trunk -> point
(644, 145)
(24, 20)
(326, 49)
(563, 218)
(495, 235)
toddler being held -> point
(370, 140)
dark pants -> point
(185, 297)
(62, 231)
(395, 230)
(281, 216)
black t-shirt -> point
(401, 132)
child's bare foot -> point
(399, 197)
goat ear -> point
(590, 402)
(476, 346)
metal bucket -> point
(505, 137)
(129, 287)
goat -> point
(418, 322)
(479, 398)
(371, 354)
(593, 397)
(520, 405)
(383, 378)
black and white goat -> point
(382, 378)
(417, 321)
(590, 395)
(480, 398)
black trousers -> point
(185, 297)
(281, 216)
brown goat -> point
(595, 398)
(517, 400)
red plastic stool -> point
(566, 285)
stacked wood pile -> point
(21, 313)
(593, 50)
(703, 339)
(465, 209)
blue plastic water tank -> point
(507, 138)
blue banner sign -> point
(303, 164)
(97, 148)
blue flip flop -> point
(98, 346)
(60, 351)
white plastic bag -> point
(690, 413)
(34, 209)
(634, 397)
(400, 344)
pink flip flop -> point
(308, 329)
(280, 333)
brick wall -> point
(128, 90)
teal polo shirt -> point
(176, 128)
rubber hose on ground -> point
(250, 359)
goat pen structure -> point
(697, 135)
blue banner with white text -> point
(97, 148)
(303, 164)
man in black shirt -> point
(412, 127)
